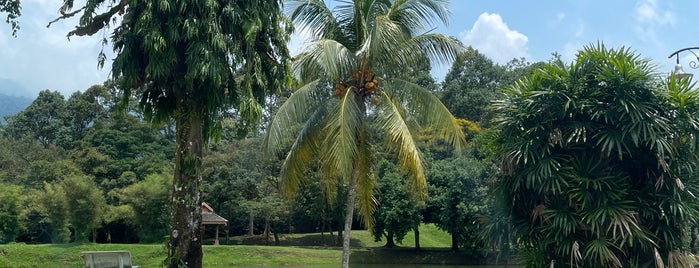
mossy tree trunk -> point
(184, 245)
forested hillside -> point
(10, 105)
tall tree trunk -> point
(251, 223)
(276, 236)
(416, 230)
(454, 239)
(389, 240)
(322, 228)
(184, 245)
(266, 232)
(332, 237)
(351, 194)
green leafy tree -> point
(473, 83)
(43, 120)
(10, 206)
(87, 109)
(188, 61)
(85, 204)
(18, 156)
(470, 85)
(150, 202)
(457, 199)
(53, 205)
(597, 161)
(399, 210)
(121, 146)
(351, 68)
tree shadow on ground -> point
(309, 240)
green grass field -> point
(295, 250)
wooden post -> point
(216, 240)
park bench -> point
(108, 259)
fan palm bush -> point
(598, 163)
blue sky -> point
(41, 58)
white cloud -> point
(649, 12)
(492, 37)
(570, 51)
(43, 58)
(650, 17)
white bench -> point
(108, 259)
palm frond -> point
(300, 156)
(439, 48)
(341, 136)
(414, 15)
(427, 110)
(401, 139)
(314, 16)
(325, 58)
(293, 112)
(366, 182)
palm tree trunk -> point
(184, 245)
(351, 194)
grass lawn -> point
(295, 250)
(51, 255)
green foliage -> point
(457, 198)
(470, 85)
(597, 162)
(10, 205)
(191, 61)
(195, 51)
(150, 204)
(45, 120)
(240, 182)
(85, 204)
(17, 158)
(53, 204)
(399, 210)
(121, 147)
(473, 83)
(13, 10)
(353, 66)
(87, 109)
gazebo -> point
(208, 217)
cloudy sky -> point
(43, 58)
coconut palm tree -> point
(350, 75)
(597, 159)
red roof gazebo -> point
(208, 217)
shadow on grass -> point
(307, 240)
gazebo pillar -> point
(216, 240)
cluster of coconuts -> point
(366, 82)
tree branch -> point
(65, 15)
(97, 23)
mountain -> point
(10, 87)
(13, 98)
(10, 105)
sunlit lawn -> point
(296, 250)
